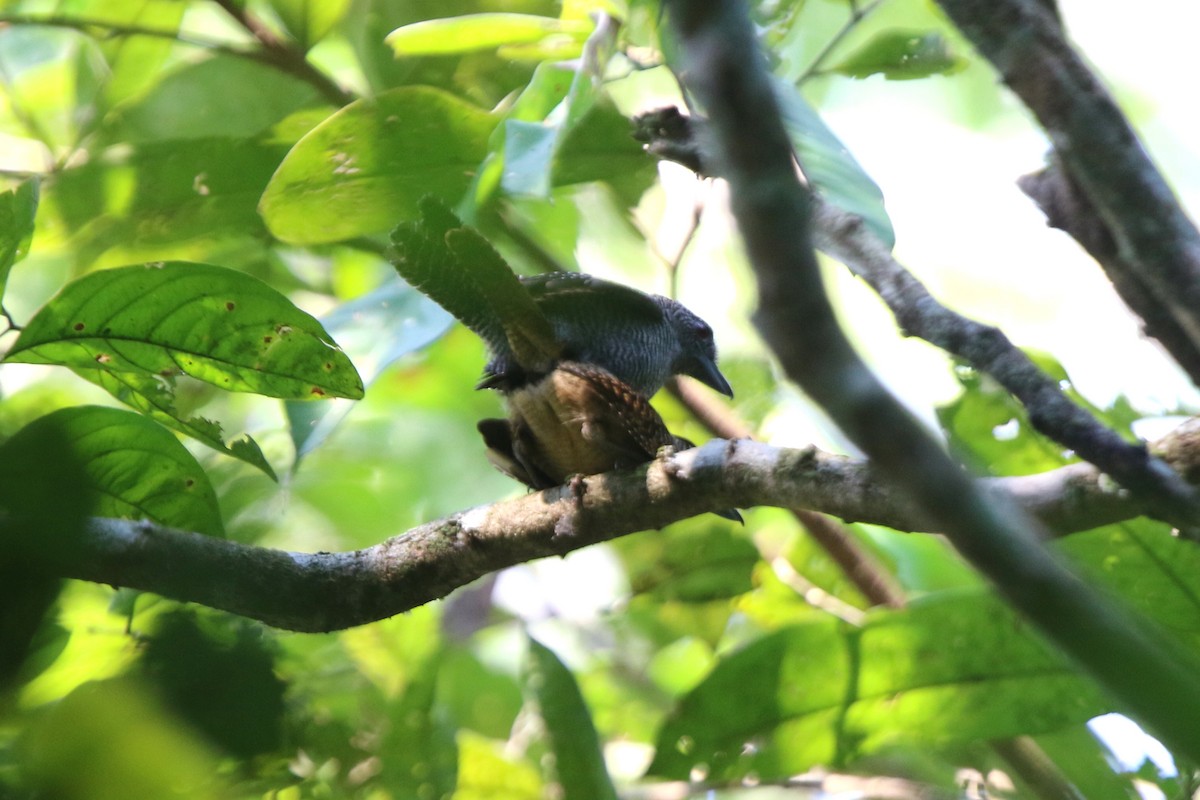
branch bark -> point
(332, 591)
(1127, 654)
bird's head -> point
(697, 354)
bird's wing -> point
(576, 295)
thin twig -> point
(286, 55)
(857, 13)
(1158, 246)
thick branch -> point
(1157, 248)
(1134, 660)
(330, 591)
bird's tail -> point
(454, 266)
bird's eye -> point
(702, 330)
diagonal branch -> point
(844, 237)
(986, 348)
(1129, 656)
(1157, 248)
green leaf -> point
(578, 761)
(376, 329)
(1154, 572)
(165, 199)
(422, 755)
(363, 169)
(902, 55)
(222, 96)
(831, 170)
(18, 208)
(474, 32)
(214, 324)
(991, 427)
(133, 468)
(113, 739)
(156, 399)
(954, 667)
(540, 124)
(691, 564)
(310, 20)
(135, 61)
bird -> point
(575, 357)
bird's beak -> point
(707, 373)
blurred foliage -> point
(189, 223)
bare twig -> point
(1157, 247)
(985, 347)
(1134, 660)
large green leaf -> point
(135, 61)
(363, 169)
(132, 467)
(156, 399)
(578, 760)
(827, 164)
(222, 96)
(1156, 573)
(165, 199)
(955, 667)
(18, 207)
(214, 324)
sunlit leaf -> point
(473, 32)
(902, 55)
(954, 667)
(145, 751)
(1152, 570)
(156, 398)
(132, 467)
(18, 207)
(214, 324)
(222, 96)
(987, 424)
(578, 761)
(170, 196)
(363, 170)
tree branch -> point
(331, 591)
(1128, 655)
(1157, 248)
(986, 348)
(1067, 208)
(844, 237)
